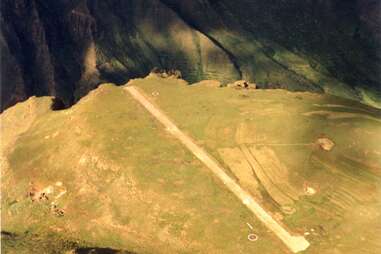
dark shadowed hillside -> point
(67, 47)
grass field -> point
(347, 179)
(128, 185)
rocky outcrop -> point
(26, 51)
(65, 48)
(140, 35)
(45, 48)
(300, 45)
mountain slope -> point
(66, 48)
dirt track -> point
(294, 243)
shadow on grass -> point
(100, 251)
(31, 243)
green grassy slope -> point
(123, 182)
(344, 214)
(129, 185)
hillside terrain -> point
(105, 176)
(66, 48)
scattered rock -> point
(166, 73)
(325, 143)
(39, 195)
(309, 190)
(32, 194)
(43, 196)
(175, 74)
(242, 84)
(57, 211)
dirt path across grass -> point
(294, 243)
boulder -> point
(242, 84)
(325, 143)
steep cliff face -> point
(45, 46)
(135, 36)
(66, 48)
(26, 51)
(330, 44)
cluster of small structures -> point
(166, 73)
(42, 195)
(39, 195)
(56, 210)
